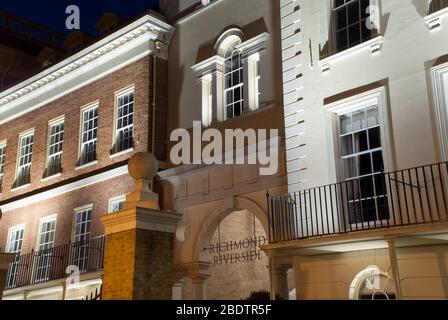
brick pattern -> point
(64, 205)
(139, 74)
(138, 266)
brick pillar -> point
(139, 253)
(5, 260)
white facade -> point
(404, 53)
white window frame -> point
(10, 231)
(75, 213)
(121, 198)
(43, 257)
(440, 91)
(3, 146)
(211, 75)
(233, 88)
(85, 109)
(118, 94)
(14, 265)
(52, 123)
(375, 97)
(43, 220)
(22, 136)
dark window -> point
(351, 24)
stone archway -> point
(234, 270)
(227, 207)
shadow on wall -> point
(208, 50)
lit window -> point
(44, 255)
(363, 165)
(125, 121)
(116, 204)
(351, 24)
(2, 162)
(89, 134)
(55, 143)
(25, 159)
(233, 92)
(15, 241)
(83, 220)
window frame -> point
(440, 96)
(12, 229)
(117, 95)
(228, 58)
(75, 213)
(3, 145)
(46, 219)
(374, 97)
(83, 110)
(333, 31)
(52, 123)
(115, 199)
(23, 135)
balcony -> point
(437, 5)
(410, 197)
(51, 264)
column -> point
(139, 254)
(5, 260)
(218, 111)
(280, 282)
(394, 267)
(199, 273)
(264, 85)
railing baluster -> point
(435, 193)
(427, 195)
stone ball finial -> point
(143, 166)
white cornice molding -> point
(65, 188)
(374, 46)
(209, 65)
(254, 45)
(135, 40)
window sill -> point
(121, 153)
(21, 187)
(84, 166)
(374, 45)
(57, 175)
(434, 20)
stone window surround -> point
(327, 37)
(439, 75)
(210, 75)
(434, 20)
(372, 97)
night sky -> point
(51, 13)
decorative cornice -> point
(210, 65)
(254, 45)
(147, 26)
(141, 218)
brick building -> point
(65, 137)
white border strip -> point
(66, 188)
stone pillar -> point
(5, 260)
(199, 272)
(280, 282)
(139, 253)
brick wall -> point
(64, 205)
(138, 265)
(139, 74)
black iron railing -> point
(56, 263)
(437, 5)
(400, 198)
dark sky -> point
(51, 13)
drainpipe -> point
(394, 267)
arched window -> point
(233, 77)
(372, 284)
